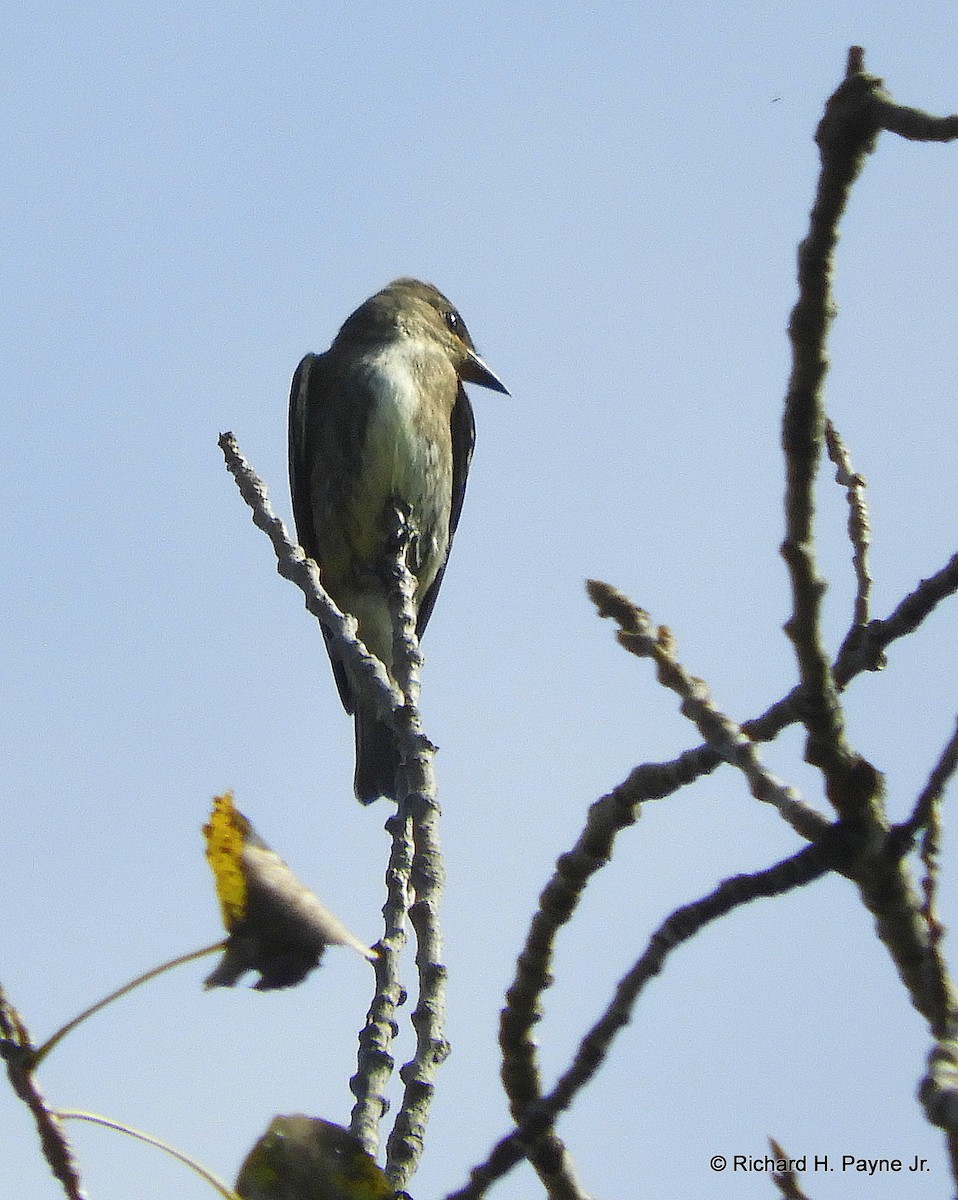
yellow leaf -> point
(225, 835)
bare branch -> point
(938, 1090)
(17, 1051)
(520, 1072)
(557, 904)
(420, 808)
(859, 529)
(375, 1062)
(934, 789)
(366, 670)
(723, 735)
(854, 114)
(846, 134)
(800, 869)
(521, 1077)
(656, 781)
(786, 1180)
(926, 815)
(918, 126)
(426, 871)
(867, 653)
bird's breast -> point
(407, 445)
(407, 448)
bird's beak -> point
(474, 370)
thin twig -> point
(726, 738)
(859, 528)
(934, 789)
(366, 671)
(926, 815)
(786, 1180)
(868, 652)
(930, 860)
(656, 781)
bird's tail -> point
(377, 759)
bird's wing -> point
(309, 396)
(463, 429)
(307, 387)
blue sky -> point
(193, 196)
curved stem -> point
(40, 1054)
(217, 1184)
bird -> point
(381, 420)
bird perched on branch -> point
(381, 421)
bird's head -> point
(410, 308)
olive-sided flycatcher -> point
(382, 418)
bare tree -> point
(895, 867)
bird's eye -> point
(455, 324)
